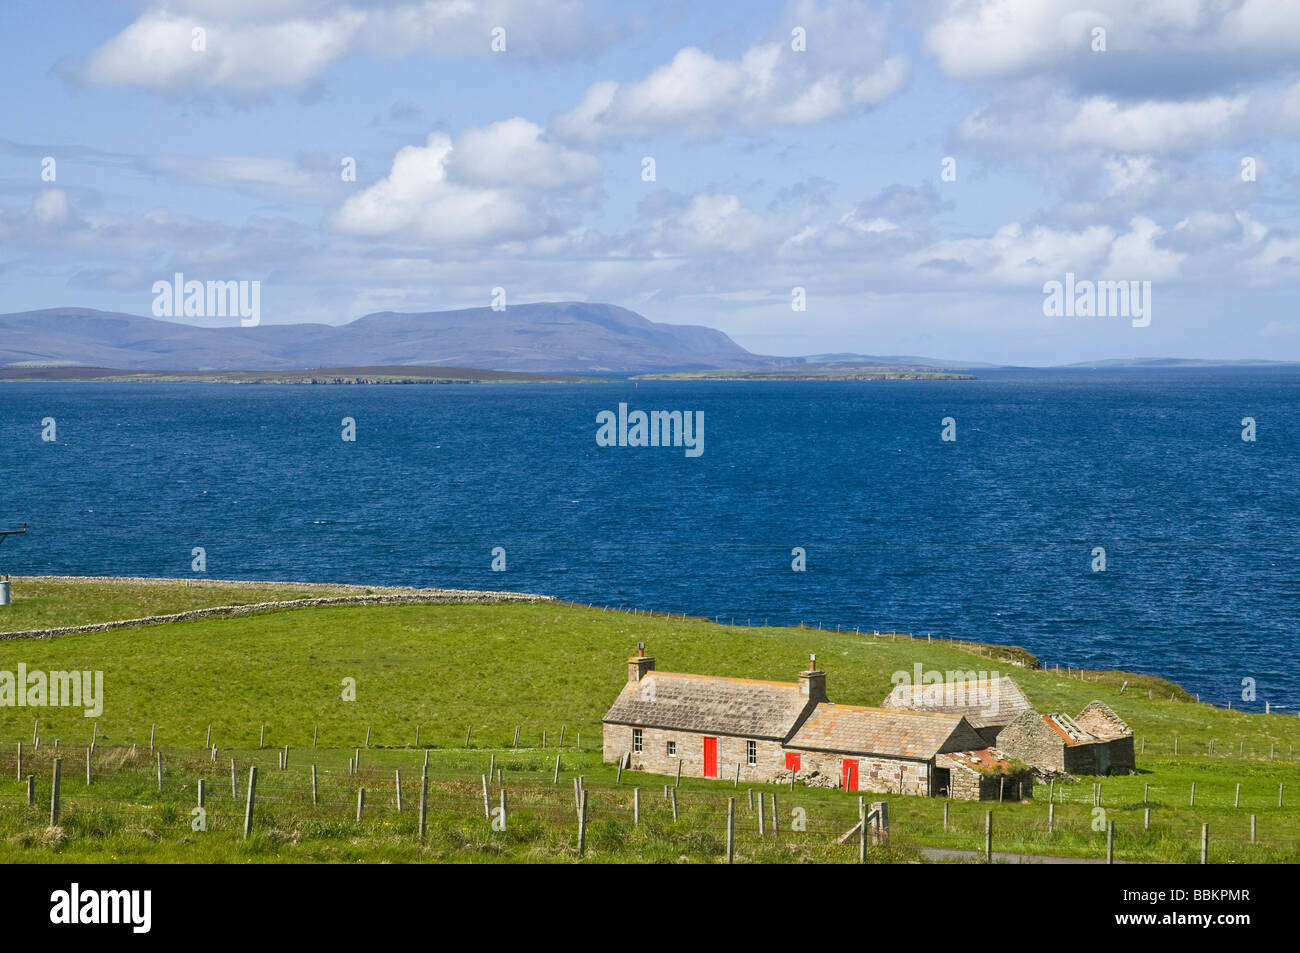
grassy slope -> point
(49, 603)
(445, 668)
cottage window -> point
(636, 740)
(751, 752)
(672, 749)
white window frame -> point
(638, 741)
(671, 749)
(751, 752)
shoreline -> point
(359, 594)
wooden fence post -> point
(636, 807)
(89, 752)
(54, 793)
(361, 803)
(315, 793)
(988, 837)
(424, 803)
(672, 797)
(397, 784)
(1110, 842)
(152, 730)
(775, 828)
(1146, 819)
(1205, 843)
(234, 781)
(252, 795)
(159, 770)
(556, 779)
(945, 815)
(203, 792)
(582, 824)
(487, 804)
(679, 773)
(31, 789)
(1051, 817)
(760, 813)
(261, 738)
(731, 829)
(862, 829)
(1252, 828)
(503, 808)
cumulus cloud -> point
(492, 184)
(251, 48)
(697, 95)
(516, 153)
(1154, 48)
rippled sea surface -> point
(989, 537)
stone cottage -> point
(905, 752)
(989, 703)
(1097, 742)
(760, 731)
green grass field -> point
(489, 669)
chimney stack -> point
(812, 683)
(639, 665)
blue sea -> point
(988, 537)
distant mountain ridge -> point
(561, 337)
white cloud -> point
(699, 96)
(246, 59)
(1099, 122)
(418, 201)
(492, 184)
(252, 47)
(1135, 255)
(516, 153)
(983, 39)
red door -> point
(850, 774)
(792, 761)
(710, 757)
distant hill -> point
(561, 337)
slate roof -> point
(711, 705)
(983, 702)
(854, 729)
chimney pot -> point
(639, 665)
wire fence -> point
(522, 801)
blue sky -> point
(775, 168)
